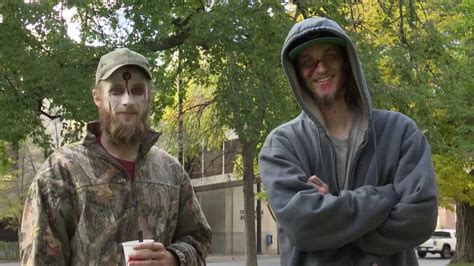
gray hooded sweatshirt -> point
(389, 204)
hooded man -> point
(350, 185)
(114, 186)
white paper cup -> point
(128, 247)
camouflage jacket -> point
(82, 205)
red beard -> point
(121, 132)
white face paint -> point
(126, 93)
(123, 104)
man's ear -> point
(96, 95)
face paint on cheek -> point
(126, 76)
(146, 93)
(115, 102)
(312, 69)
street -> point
(272, 260)
(433, 260)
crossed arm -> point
(381, 220)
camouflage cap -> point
(118, 58)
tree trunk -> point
(259, 221)
(464, 233)
(180, 112)
(248, 153)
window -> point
(441, 234)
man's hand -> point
(152, 253)
(318, 184)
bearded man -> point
(114, 186)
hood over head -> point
(316, 30)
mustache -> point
(121, 133)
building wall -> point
(268, 229)
(224, 211)
(215, 162)
(446, 219)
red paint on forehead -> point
(127, 76)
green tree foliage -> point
(201, 131)
(4, 160)
(455, 184)
(241, 59)
(251, 92)
(44, 73)
(416, 55)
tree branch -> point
(425, 24)
(11, 85)
(167, 43)
(180, 23)
(353, 19)
(201, 106)
(382, 6)
(41, 112)
(299, 10)
(178, 38)
(413, 15)
(402, 32)
(97, 22)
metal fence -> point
(9, 251)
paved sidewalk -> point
(6, 263)
(274, 260)
(214, 260)
(239, 260)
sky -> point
(74, 24)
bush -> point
(9, 251)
